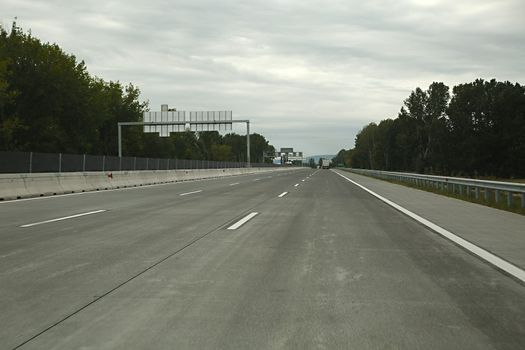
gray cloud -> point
(309, 74)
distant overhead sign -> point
(212, 121)
(289, 153)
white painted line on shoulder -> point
(242, 221)
(65, 218)
(282, 194)
(295, 185)
(192, 192)
(480, 252)
(233, 184)
(256, 180)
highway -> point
(299, 259)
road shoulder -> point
(494, 230)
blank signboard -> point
(167, 116)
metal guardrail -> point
(490, 190)
(34, 162)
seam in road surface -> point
(142, 272)
(494, 260)
(105, 294)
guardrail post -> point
(103, 163)
(84, 163)
(30, 162)
(523, 200)
(510, 199)
(59, 163)
(496, 195)
(486, 194)
(477, 192)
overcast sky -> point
(307, 73)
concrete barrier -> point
(74, 183)
(43, 184)
(15, 186)
(12, 186)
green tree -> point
(50, 103)
(487, 121)
(427, 109)
(221, 152)
(364, 147)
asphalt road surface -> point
(237, 263)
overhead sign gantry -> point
(167, 121)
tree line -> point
(478, 129)
(50, 103)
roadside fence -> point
(35, 162)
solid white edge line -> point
(504, 265)
(233, 184)
(242, 221)
(295, 185)
(282, 194)
(187, 193)
(65, 218)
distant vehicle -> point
(325, 163)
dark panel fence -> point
(34, 162)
